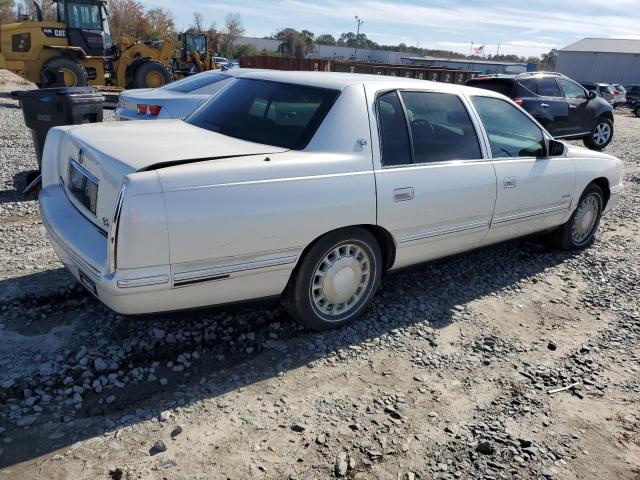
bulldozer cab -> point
(87, 23)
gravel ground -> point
(511, 362)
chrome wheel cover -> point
(602, 133)
(340, 280)
(585, 220)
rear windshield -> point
(191, 84)
(279, 114)
(505, 87)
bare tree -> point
(233, 30)
(198, 22)
(161, 23)
(6, 11)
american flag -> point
(479, 50)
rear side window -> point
(394, 135)
(511, 133)
(505, 87)
(196, 82)
(279, 114)
(547, 87)
(441, 129)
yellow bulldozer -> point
(195, 56)
(78, 50)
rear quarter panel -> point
(242, 209)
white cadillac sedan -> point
(309, 186)
(173, 100)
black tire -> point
(637, 111)
(565, 237)
(304, 302)
(148, 71)
(595, 141)
(74, 74)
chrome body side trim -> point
(225, 271)
(536, 213)
(444, 231)
(143, 281)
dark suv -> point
(565, 108)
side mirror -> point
(591, 95)
(556, 148)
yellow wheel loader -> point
(195, 56)
(78, 50)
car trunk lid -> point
(108, 152)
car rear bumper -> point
(83, 249)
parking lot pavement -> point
(509, 362)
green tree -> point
(325, 39)
(549, 61)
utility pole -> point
(360, 22)
(470, 48)
(498, 54)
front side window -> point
(571, 89)
(441, 129)
(279, 114)
(511, 133)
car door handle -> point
(572, 107)
(403, 194)
(509, 182)
(544, 105)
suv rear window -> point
(279, 114)
(191, 84)
(503, 86)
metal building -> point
(607, 60)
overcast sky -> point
(523, 27)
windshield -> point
(197, 43)
(279, 114)
(191, 84)
(84, 16)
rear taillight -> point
(153, 110)
(615, 92)
(518, 101)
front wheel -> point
(580, 231)
(336, 280)
(151, 74)
(601, 135)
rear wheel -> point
(601, 135)
(63, 72)
(151, 74)
(637, 111)
(336, 280)
(579, 232)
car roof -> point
(339, 81)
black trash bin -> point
(54, 107)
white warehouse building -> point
(607, 60)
